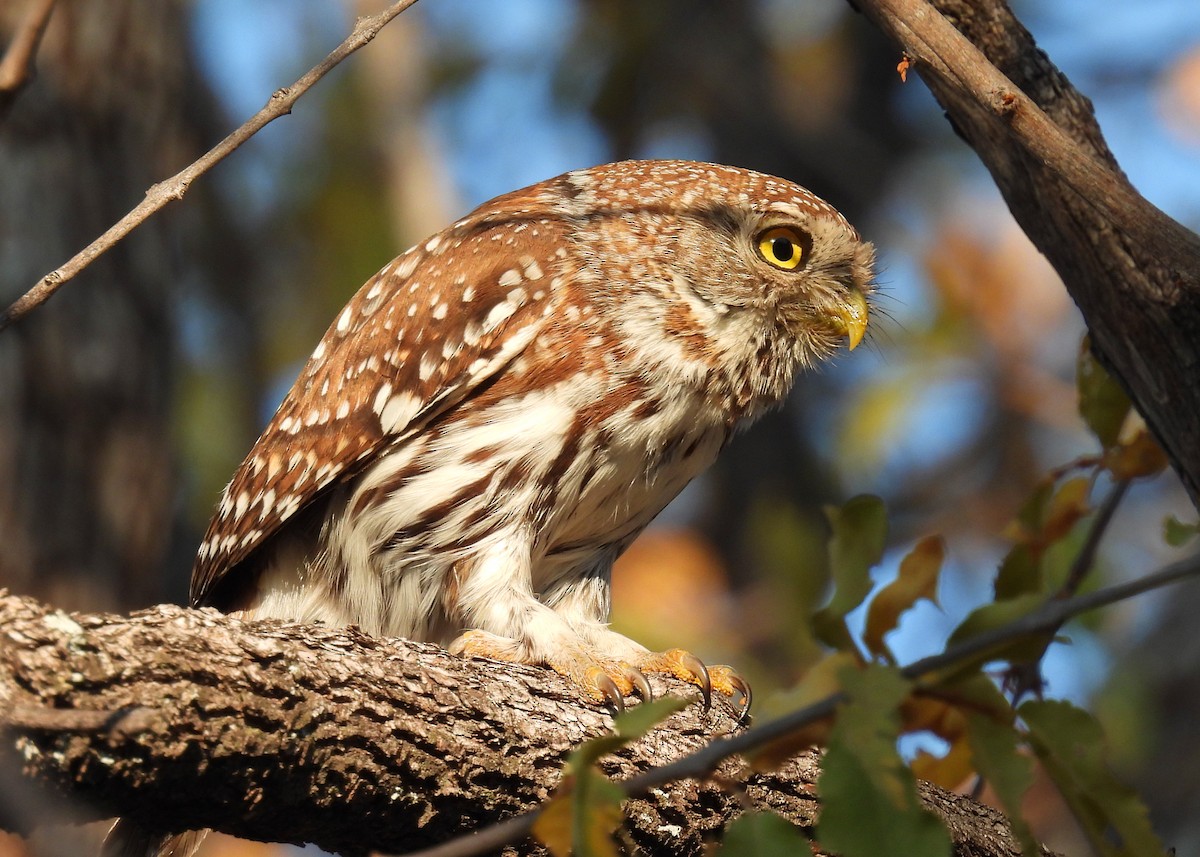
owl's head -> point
(771, 277)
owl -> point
(500, 411)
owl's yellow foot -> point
(686, 666)
(602, 679)
(609, 680)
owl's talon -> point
(607, 689)
(743, 687)
(700, 676)
(638, 679)
(727, 681)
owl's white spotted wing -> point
(415, 341)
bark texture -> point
(189, 718)
(1133, 271)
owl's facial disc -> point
(820, 272)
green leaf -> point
(917, 579)
(627, 727)
(762, 834)
(821, 681)
(978, 692)
(581, 818)
(1102, 403)
(1070, 744)
(856, 544)
(1020, 574)
(994, 751)
(996, 615)
(869, 803)
(1058, 561)
(1176, 533)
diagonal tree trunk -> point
(1133, 271)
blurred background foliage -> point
(963, 399)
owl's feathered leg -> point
(565, 629)
(584, 600)
(601, 679)
(605, 676)
(679, 663)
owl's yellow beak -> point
(851, 318)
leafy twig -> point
(157, 197)
(1087, 552)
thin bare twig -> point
(16, 68)
(699, 765)
(157, 197)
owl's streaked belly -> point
(581, 494)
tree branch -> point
(157, 197)
(701, 764)
(283, 732)
(1133, 271)
(17, 66)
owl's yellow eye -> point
(782, 247)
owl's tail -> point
(126, 838)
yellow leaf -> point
(595, 825)
(948, 771)
(818, 683)
(581, 817)
(552, 827)
(1139, 456)
(917, 579)
(1068, 505)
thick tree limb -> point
(1133, 271)
(187, 718)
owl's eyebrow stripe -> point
(721, 217)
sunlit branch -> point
(702, 763)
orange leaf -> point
(1069, 504)
(917, 579)
(948, 771)
(928, 714)
(1139, 456)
